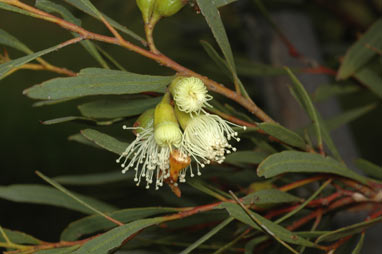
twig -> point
(61, 188)
(161, 59)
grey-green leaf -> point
(104, 141)
(11, 41)
(92, 179)
(118, 107)
(97, 223)
(115, 237)
(51, 7)
(270, 197)
(301, 162)
(212, 16)
(360, 53)
(96, 81)
(371, 76)
(19, 237)
(8, 66)
(358, 248)
(40, 194)
(64, 250)
(349, 230)
(221, 3)
(88, 8)
(237, 212)
(283, 134)
(369, 168)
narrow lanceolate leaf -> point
(350, 230)
(362, 51)
(97, 223)
(269, 197)
(80, 119)
(87, 7)
(105, 141)
(219, 61)
(9, 7)
(11, 41)
(212, 16)
(121, 107)
(324, 92)
(19, 237)
(115, 237)
(283, 134)
(237, 212)
(305, 101)
(40, 194)
(246, 157)
(92, 179)
(95, 81)
(207, 236)
(64, 250)
(51, 7)
(371, 76)
(358, 248)
(221, 3)
(369, 168)
(14, 64)
(301, 162)
(348, 116)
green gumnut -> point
(145, 120)
(166, 8)
(146, 7)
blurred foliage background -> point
(27, 145)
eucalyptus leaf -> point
(80, 119)
(40, 194)
(97, 223)
(283, 134)
(87, 7)
(19, 237)
(349, 230)
(221, 3)
(9, 7)
(52, 7)
(371, 76)
(301, 162)
(11, 41)
(237, 212)
(96, 81)
(64, 250)
(115, 237)
(92, 179)
(369, 168)
(360, 53)
(269, 197)
(14, 64)
(104, 141)
(118, 107)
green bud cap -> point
(166, 127)
(145, 120)
(183, 117)
(146, 7)
(168, 8)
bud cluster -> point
(176, 131)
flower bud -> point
(144, 120)
(166, 127)
(166, 8)
(190, 94)
(146, 7)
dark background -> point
(27, 145)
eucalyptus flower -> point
(206, 137)
(190, 94)
(148, 159)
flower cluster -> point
(176, 131)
